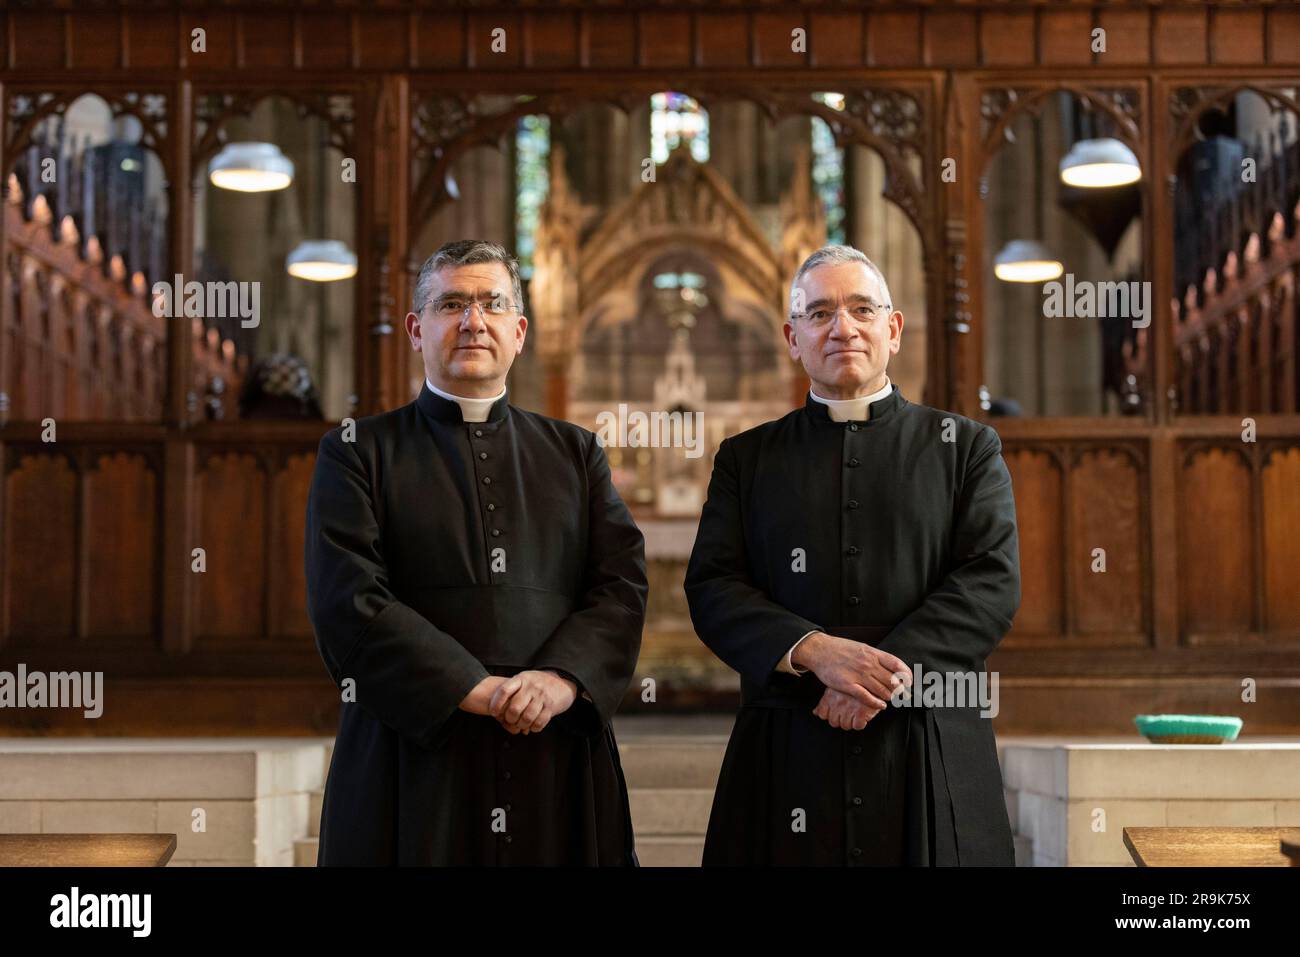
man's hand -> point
(845, 712)
(478, 700)
(529, 700)
(858, 670)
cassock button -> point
(487, 480)
(496, 532)
(853, 426)
(853, 503)
(857, 749)
(854, 599)
(506, 775)
(853, 463)
(853, 549)
(491, 507)
(478, 433)
(857, 802)
(508, 838)
(857, 852)
(482, 455)
(507, 806)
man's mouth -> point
(473, 348)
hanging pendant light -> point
(250, 168)
(1024, 260)
(322, 260)
(1097, 164)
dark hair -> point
(466, 252)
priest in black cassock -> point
(844, 550)
(477, 589)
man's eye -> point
(820, 315)
(863, 312)
(449, 306)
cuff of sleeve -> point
(787, 665)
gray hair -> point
(834, 254)
(465, 252)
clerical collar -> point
(858, 409)
(446, 407)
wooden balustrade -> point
(82, 341)
(1235, 350)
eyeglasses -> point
(456, 307)
(860, 312)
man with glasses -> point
(845, 549)
(477, 589)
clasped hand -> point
(859, 679)
(524, 703)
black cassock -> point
(907, 526)
(439, 552)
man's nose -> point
(842, 324)
(474, 318)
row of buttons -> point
(487, 480)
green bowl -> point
(1188, 728)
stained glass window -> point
(532, 180)
(828, 169)
(676, 118)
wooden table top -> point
(86, 850)
(1213, 846)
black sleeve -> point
(409, 674)
(731, 614)
(961, 622)
(597, 645)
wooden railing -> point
(82, 341)
(1236, 349)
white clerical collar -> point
(859, 409)
(471, 410)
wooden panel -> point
(1284, 36)
(96, 40)
(151, 41)
(1216, 567)
(552, 40)
(1180, 36)
(1066, 37)
(894, 39)
(439, 42)
(232, 516)
(327, 40)
(384, 41)
(611, 40)
(951, 39)
(836, 39)
(1007, 39)
(773, 39)
(723, 39)
(481, 27)
(39, 43)
(219, 38)
(1036, 480)
(1128, 36)
(1280, 484)
(267, 42)
(665, 39)
(40, 546)
(1237, 36)
(1106, 513)
(121, 565)
(289, 538)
